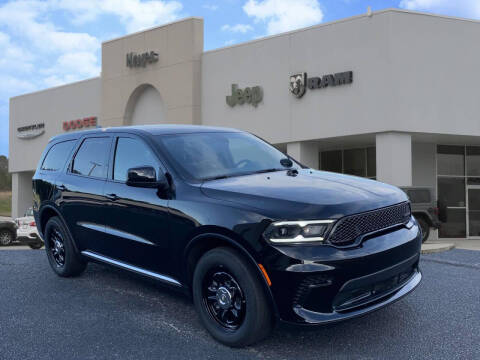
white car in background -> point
(27, 230)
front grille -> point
(362, 296)
(349, 228)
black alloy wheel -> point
(61, 252)
(224, 298)
(57, 247)
(231, 299)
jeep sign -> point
(248, 95)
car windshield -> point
(208, 156)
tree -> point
(5, 177)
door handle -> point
(62, 187)
(112, 197)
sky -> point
(45, 43)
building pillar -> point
(394, 158)
(22, 196)
(304, 152)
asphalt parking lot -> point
(110, 314)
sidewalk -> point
(460, 243)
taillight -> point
(33, 224)
(436, 210)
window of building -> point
(371, 162)
(131, 153)
(473, 161)
(92, 158)
(458, 187)
(57, 156)
(359, 162)
(331, 161)
(355, 162)
(450, 160)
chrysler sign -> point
(30, 131)
(300, 82)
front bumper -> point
(324, 284)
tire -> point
(6, 237)
(425, 228)
(238, 281)
(36, 246)
(61, 253)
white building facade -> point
(390, 96)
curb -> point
(430, 248)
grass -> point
(5, 203)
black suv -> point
(252, 235)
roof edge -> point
(339, 21)
(153, 28)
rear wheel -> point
(6, 237)
(425, 228)
(230, 299)
(61, 253)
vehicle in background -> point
(8, 231)
(27, 231)
(428, 213)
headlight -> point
(298, 232)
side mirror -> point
(286, 162)
(146, 177)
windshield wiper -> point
(220, 177)
(243, 174)
(267, 170)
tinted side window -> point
(419, 196)
(57, 156)
(131, 153)
(91, 158)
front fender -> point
(219, 239)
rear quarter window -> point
(57, 156)
(92, 157)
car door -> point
(82, 201)
(137, 228)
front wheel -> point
(6, 237)
(230, 299)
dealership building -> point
(391, 95)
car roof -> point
(166, 129)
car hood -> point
(308, 195)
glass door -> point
(473, 210)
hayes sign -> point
(141, 60)
(300, 82)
